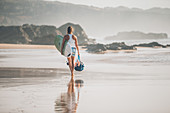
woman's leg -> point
(70, 64)
(72, 61)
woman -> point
(72, 40)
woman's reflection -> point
(68, 102)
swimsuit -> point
(71, 42)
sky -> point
(144, 4)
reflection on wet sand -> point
(16, 76)
(68, 102)
(17, 72)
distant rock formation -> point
(152, 44)
(137, 35)
(99, 48)
(33, 34)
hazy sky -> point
(144, 4)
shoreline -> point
(24, 46)
(27, 46)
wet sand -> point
(25, 46)
(38, 81)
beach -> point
(36, 79)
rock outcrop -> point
(119, 46)
(152, 44)
(96, 48)
(33, 34)
(99, 48)
(136, 35)
(28, 34)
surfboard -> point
(58, 44)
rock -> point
(99, 48)
(168, 45)
(115, 46)
(128, 48)
(45, 40)
(119, 46)
(152, 44)
(28, 34)
(44, 34)
(96, 48)
(78, 31)
(164, 46)
(13, 34)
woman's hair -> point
(69, 29)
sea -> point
(132, 42)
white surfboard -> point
(67, 51)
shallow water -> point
(38, 81)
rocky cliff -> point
(34, 34)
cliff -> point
(34, 34)
(28, 34)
